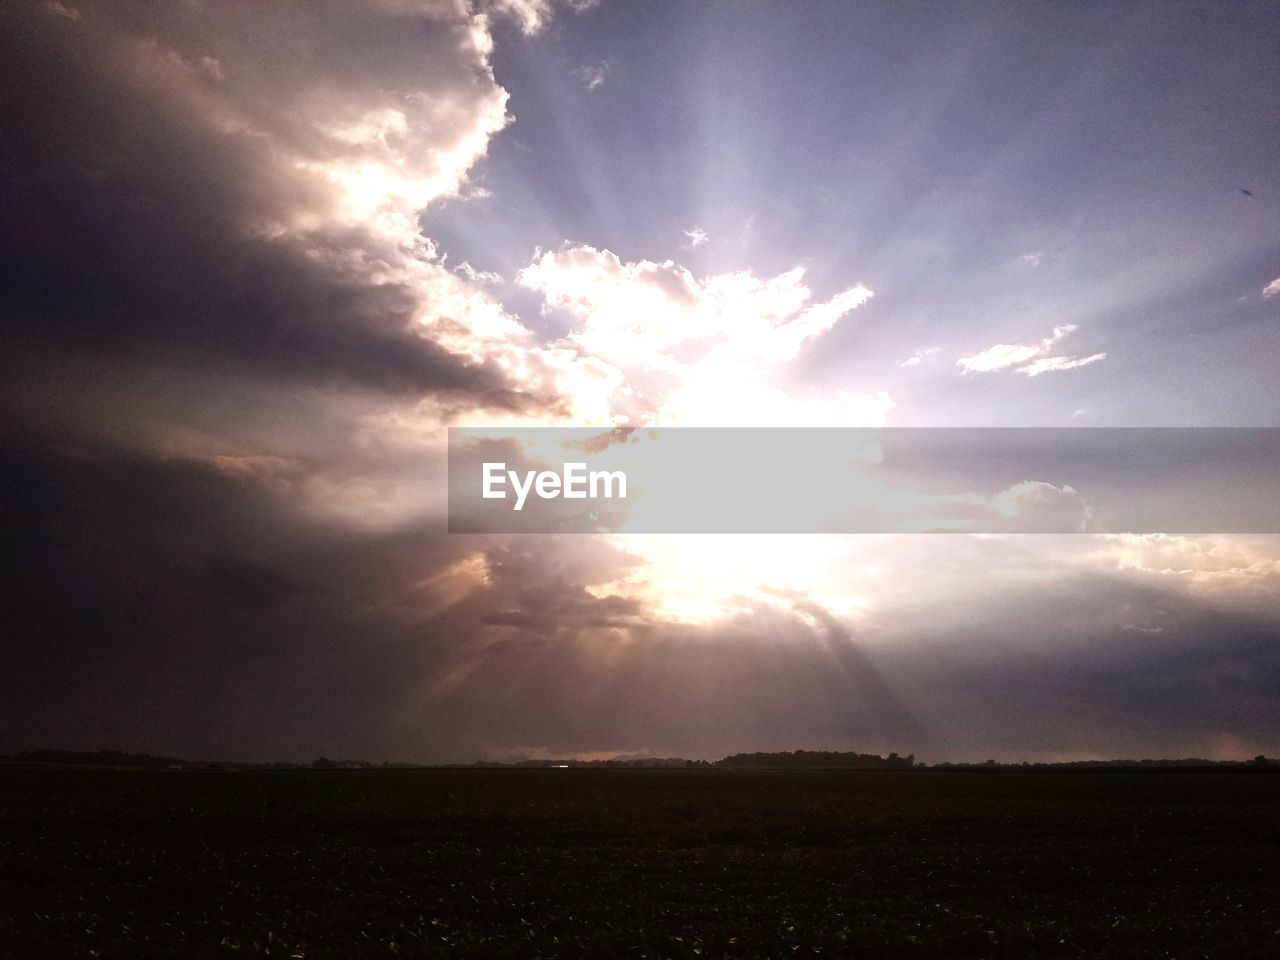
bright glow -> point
(706, 578)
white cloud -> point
(466, 270)
(1005, 355)
(697, 350)
(1056, 364)
(697, 237)
(1204, 561)
(919, 357)
(592, 75)
(531, 16)
(1028, 261)
(1028, 358)
(1272, 289)
(656, 313)
(1030, 505)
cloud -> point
(1207, 562)
(1272, 289)
(466, 270)
(1055, 364)
(1028, 358)
(1005, 355)
(697, 350)
(1136, 628)
(919, 357)
(531, 16)
(299, 252)
(1027, 505)
(250, 584)
(696, 236)
(592, 75)
(222, 205)
(1028, 261)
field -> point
(638, 863)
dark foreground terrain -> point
(638, 863)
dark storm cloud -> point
(140, 178)
(250, 584)
(201, 337)
(167, 603)
(540, 591)
(578, 609)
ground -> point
(638, 863)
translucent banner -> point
(864, 480)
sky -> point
(257, 258)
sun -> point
(705, 578)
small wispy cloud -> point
(1028, 261)
(1055, 364)
(530, 15)
(592, 74)
(697, 237)
(1272, 289)
(465, 269)
(919, 357)
(1030, 359)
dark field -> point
(638, 863)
